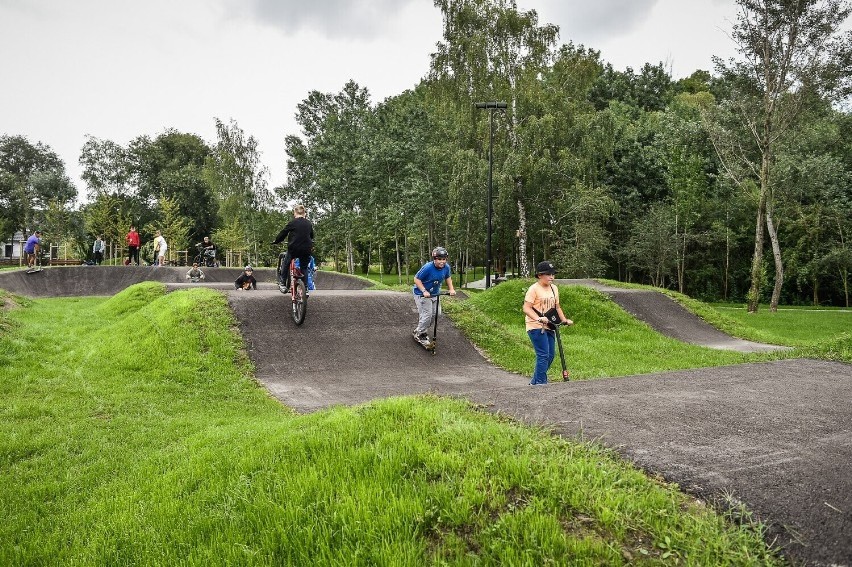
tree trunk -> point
(336, 255)
(757, 259)
(522, 241)
(350, 257)
(681, 269)
(727, 254)
(405, 255)
(776, 254)
(398, 257)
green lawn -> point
(795, 326)
(132, 433)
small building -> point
(13, 250)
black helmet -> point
(545, 268)
(440, 252)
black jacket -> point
(241, 281)
(301, 235)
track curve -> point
(668, 317)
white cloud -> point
(598, 20)
(333, 19)
(118, 69)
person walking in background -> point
(299, 233)
(132, 239)
(32, 247)
(98, 250)
(427, 285)
(542, 297)
(160, 248)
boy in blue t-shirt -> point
(427, 284)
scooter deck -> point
(428, 345)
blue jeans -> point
(545, 351)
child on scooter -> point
(427, 285)
(539, 299)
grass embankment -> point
(605, 341)
(132, 433)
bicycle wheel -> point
(300, 301)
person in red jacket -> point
(132, 246)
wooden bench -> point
(60, 262)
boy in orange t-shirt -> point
(541, 297)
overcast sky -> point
(117, 69)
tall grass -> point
(132, 433)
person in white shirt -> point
(160, 248)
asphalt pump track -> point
(775, 437)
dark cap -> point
(545, 268)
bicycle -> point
(297, 289)
(206, 256)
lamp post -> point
(491, 106)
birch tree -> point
(791, 53)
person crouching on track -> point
(540, 298)
(299, 233)
(195, 274)
(427, 285)
(246, 280)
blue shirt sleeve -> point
(432, 278)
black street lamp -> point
(491, 106)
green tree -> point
(32, 176)
(685, 155)
(326, 165)
(653, 248)
(172, 165)
(238, 178)
(493, 51)
(108, 215)
(793, 53)
(107, 168)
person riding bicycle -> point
(195, 274)
(427, 284)
(246, 280)
(207, 251)
(299, 233)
